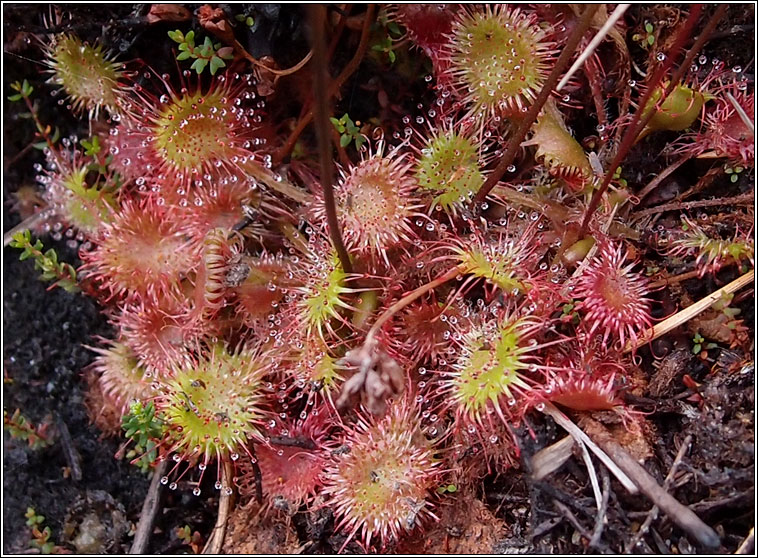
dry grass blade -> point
(582, 438)
(691, 311)
(596, 40)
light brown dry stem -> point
(690, 312)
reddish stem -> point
(531, 115)
(320, 112)
(348, 70)
(638, 121)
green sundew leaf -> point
(216, 63)
(345, 140)
(183, 55)
(199, 65)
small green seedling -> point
(733, 172)
(20, 428)
(144, 428)
(247, 20)
(208, 54)
(646, 39)
(40, 536)
(47, 262)
(447, 489)
(349, 131)
(24, 91)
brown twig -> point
(597, 532)
(568, 514)
(149, 512)
(742, 199)
(345, 11)
(347, 71)
(299, 442)
(344, 159)
(678, 513)
(69, 450)
(317, 16)
(258, 476)
(216, 540)
(639, 120)
(653, 513)
(278, 73)
(526, 123)
(675, 279)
